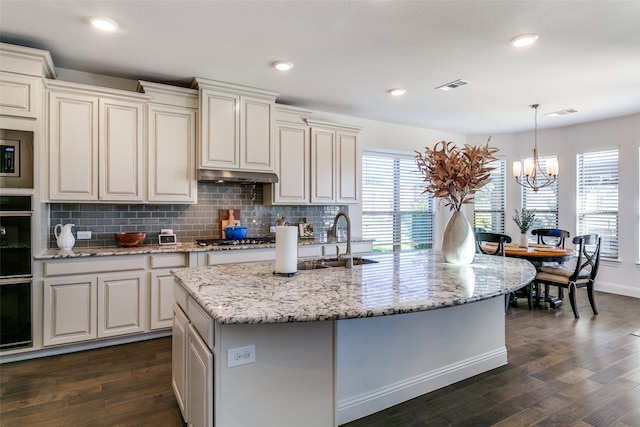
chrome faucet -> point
(334, 231)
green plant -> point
(453, 173)
(524, 220)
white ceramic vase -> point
(524, 241)
(458, 242)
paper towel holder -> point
(284, 274)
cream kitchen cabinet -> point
(179, 357)
(161, 287)
(335, 163)
(236, 126)
(18, 95)
(292, 158)
(171, 143)
(88, 299)
(95, 144)
(199, 381)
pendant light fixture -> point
(534, 177)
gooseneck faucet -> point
(334, 231)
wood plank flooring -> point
(561, 372)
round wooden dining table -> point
(537, 254)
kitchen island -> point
(331, 345)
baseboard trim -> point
(614, 288)
(377, 400)
(53, 351)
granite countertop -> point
(398, 283)
(180, 247)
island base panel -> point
(383, 361)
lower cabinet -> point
(192, 371)
(81, 308)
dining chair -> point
(501, 240)
(557, 234)
(581, 275)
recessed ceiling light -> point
(104, 24)
(282, 65)
(397, 91)
(524, 40)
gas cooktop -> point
(228, 242)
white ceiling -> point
(347, 54)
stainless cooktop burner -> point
(231, 242)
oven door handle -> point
(16, 213)
(12, 280)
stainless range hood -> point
(208, 175)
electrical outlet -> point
(241, 356)
(84, 235)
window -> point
(489, 203)
(544, 202)
(395, 213)
(597, 202)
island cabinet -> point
(171, 118)
(236, 126)
(88, 299)
(335, 163)
(96, 138)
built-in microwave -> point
(16, 158)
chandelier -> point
(534, 177)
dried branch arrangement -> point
(454, 173)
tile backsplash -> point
(189, 222)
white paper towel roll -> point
(286, 250)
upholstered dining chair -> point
(555, 233)
(581, 275)
(486, 237)
(501, 240)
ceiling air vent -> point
(453, 85)
(562, 112)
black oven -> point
(15, 272)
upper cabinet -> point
(236, 127)
(292, 159)
(95, 144)
(335, 163)
(171, 143)
(316, 162)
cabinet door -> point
(322, 165)
(171, 155)
(199, 381)
(347, 170)
(121, 173)
(73, 146)
(292, 165)
(161, 299)
(122, 304)
(18, 95)
(70, 306)
(219, 143)
(256, 147)
(179, 357)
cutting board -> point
(228, 218)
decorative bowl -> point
(129, 239)
(235, 233)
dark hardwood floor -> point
(561, 372)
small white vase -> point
(458, 241)
(524, 241)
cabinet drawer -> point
(180, 295)
(201, 321)
(169, 260)
(309, 251)
(93, 266)
(239, 255)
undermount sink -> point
(315, 264)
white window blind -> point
(544, 202)
(597, 207)
(395, 213)
(489, 203)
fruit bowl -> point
(129, 239)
